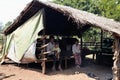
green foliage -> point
(107, 8)
(110, 8)
(92, 35)
(7, 25)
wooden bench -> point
(44, 60)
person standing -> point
(76, 49)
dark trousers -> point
(55, 59)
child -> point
(57, 51)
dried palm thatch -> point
(81, 18)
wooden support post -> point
(116, 58)
(43, 64)
(81, 40)
(43, 67)
(93, 56)
(82, 57)
(66, 63)
(101, 39)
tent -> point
(21, 40)
(64, 20)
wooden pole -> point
(44, 41)
(101, 39)
(81, 41)
(116, 58)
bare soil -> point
(33, 72)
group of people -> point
(54, 52)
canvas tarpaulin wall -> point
(24, 36)
(29, 55)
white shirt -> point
(76, 49)
(50, 48)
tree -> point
(7, 25)
(1, 26)
(110, 8)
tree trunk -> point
(116, 58)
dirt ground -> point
(22, 72)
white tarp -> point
(28, 57)
(19, 41)
(30, 54)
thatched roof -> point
(77, 17)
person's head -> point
(76, 41)
(56, 44)
(51, 38)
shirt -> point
(57, 49)
(76, 49)
(50, 48)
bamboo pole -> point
(116, 58)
